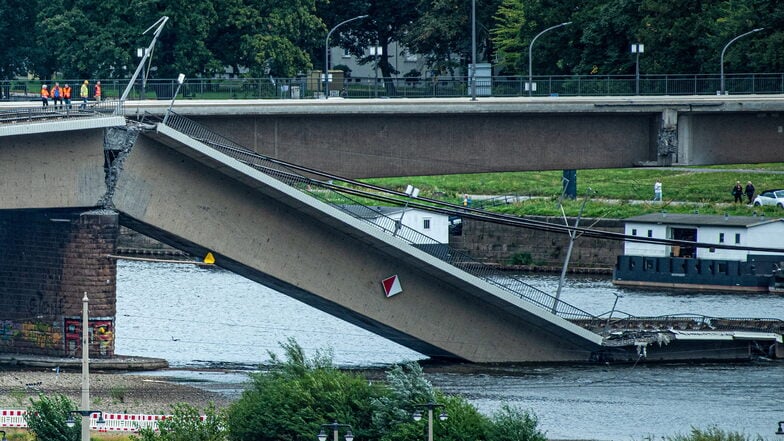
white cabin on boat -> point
(746, 231)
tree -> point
(46, 418)
(267, 37)
(508, 36)
(387, 22)
(295, 396)
(186, 424)
(19, 18)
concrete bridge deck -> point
(173, 188)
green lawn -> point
(617, 192)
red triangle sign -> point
(391, 286)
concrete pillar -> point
(667, 141)
(49, 260)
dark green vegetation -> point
(292, 399)
(98, 39)
(616, 193)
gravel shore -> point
(109, 392)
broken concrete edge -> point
(116, 363)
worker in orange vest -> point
(45, 95)
(57, 95)
(67, 96)
(97, 92)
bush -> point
(46, 418)
(186, 424)
(712, 434)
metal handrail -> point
(356, 207)
(37, 114)
(425, 87)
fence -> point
(418, 87)
(114, 422)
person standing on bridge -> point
(750, 191)
(57, 95)
(84, 93)
(657, 191)
(45, 95)
(97, 92)
(737, 191)
(67, 96)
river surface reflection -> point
(196, 317)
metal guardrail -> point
(418, 87)
(36, 114)
(357, 207)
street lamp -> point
(85, 372)
(530, 58)
(84, 413)
(158, 25)
(326, 52)
(429, 406)
(180, 80)
(721, 92)
(637, 49)
(140, 52)
(412, 192)
(334, 426)
(473, 50)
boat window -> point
(737, 237)
(721, 237)
(722, 268)
(650, 233)
(634, 231)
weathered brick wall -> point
(48, 261)
(494, 243)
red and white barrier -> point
(114, 422)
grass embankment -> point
(619, 193)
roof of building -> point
(702, 220)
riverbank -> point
(110, 392)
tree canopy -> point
(98, 39)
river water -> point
(205, 318)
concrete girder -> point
(190, 196)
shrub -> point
(46, 418)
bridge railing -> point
(419, 87)
(357, 203)
(51, 112)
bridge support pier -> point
(49, 259)
(667, 140)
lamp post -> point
(158, 25)
(180, 80)
(473, 50)
(334, 426)
(637, 49)
(85, 370)
(413, 192)
(721, 92)
(140, 52)
(429, 406)
(85, 421)
(530, 58)
(326, 52)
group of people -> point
(61, 96)
(738, 191)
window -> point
(426, 223)
(634, 231)
(346, 53)
(721, 237)
(737, 237)
(650, 233)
